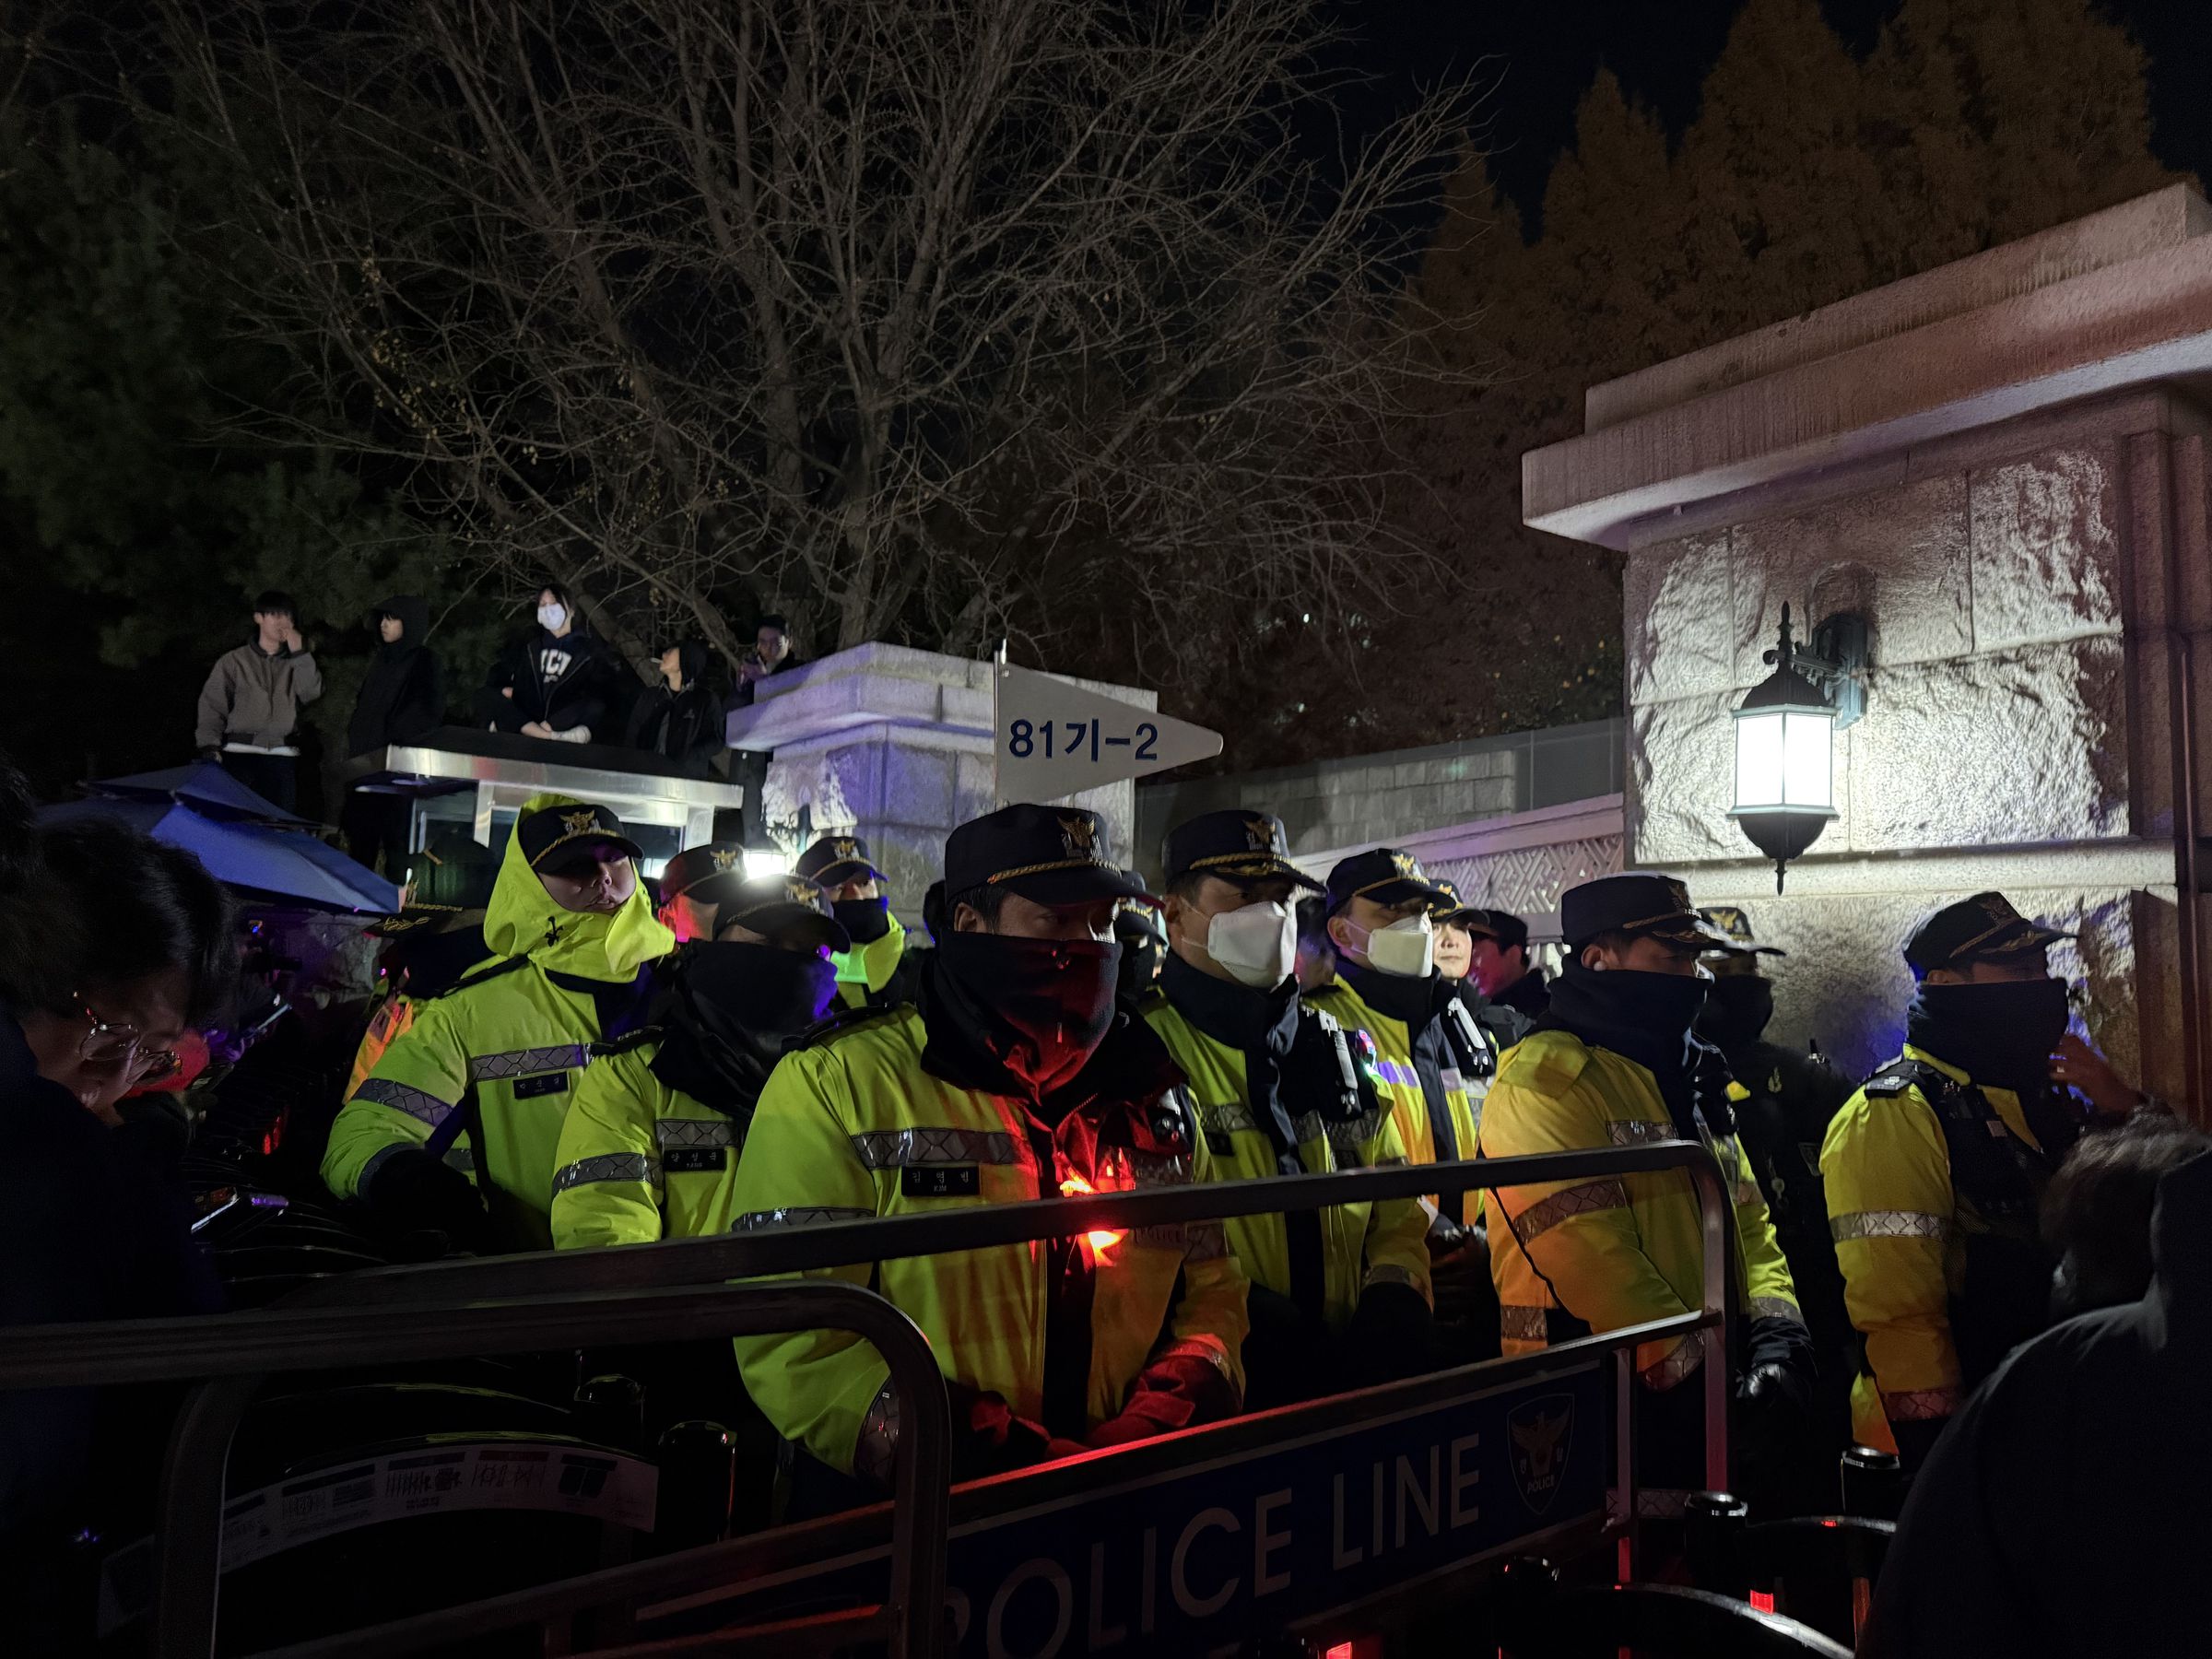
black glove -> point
(989, 1438)
(1388, 1336)
(416, 1190)
(1462, 1280)
(1780, 1370)
(1916, 1438)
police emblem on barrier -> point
(1079, 832)
(1542, 1431)
(580, 823)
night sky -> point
(1543, 56)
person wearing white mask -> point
(556, 681)
(1433, 1060)
(1339, 1297)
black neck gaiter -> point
(1645, 1018)
(2001, 1033)
(727, 1012)
(1015, 1016)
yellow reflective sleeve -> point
(1768, 1290)
(798, 1167)
(1397, 1231)
(420, 1076)
(606, 1174)
(1581, 1237)
(1889, 1208)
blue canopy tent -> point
(234, 832)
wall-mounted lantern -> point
(1786, 738)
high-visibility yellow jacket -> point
(864, 972)
(854, 1126)
(641, 1160)
(1619, 1250)
(512, 1039)
(1909, 1206)
(1402, 1052)
(1357, 1244)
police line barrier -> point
(397, 1299)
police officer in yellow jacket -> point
(1432, 1060)
(867, 970)
(1935, 1169)
(1339, 1297)
(650, 1149)
(1613, 1062)
(481, 1078)
(1015, 1077)
(692, 886)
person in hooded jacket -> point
(457, 1124)
(402, 698)
(651, 1147)
(2063, 1515)
(1614, 1063)
(556, 681)
(678, 717)
(1017, 1077)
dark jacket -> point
(404, 695)
(566, 683)
(2063, 1512)
(96, 1227)
(684, 726)
(1529, 996)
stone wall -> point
(1390, 798)
(895, 745)
(2003, 466)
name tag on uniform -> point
(694, 1161)
(552, 1083)
(940, 1181)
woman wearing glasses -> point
(111, 948)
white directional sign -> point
(1054, 738)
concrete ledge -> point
(2134, 865)
(1835, 406)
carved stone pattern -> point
(1528, 881)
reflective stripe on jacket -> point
(1399, 1081)
(1361, 1244)
(516, 1040)
(640, 1161)
(1902, 1233)
(854, 1126)
(1617, 1250)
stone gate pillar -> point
(895, 745)
(2002, 463)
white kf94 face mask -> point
(1407, 948)
(1257, 946)
(550, 617)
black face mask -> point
(1646, 1017)
(1041, 1008)
(867, 920)
(1737, 1008)
(2001, 1033)
(727, 1013)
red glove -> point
(1174, 1391)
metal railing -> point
(379, 1315)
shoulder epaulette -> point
(1903, 1074)
(629, 1042)
(478, 976)
(840, 1022)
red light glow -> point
(1104, 1239)
(1761, 1600)
(1343, 1650)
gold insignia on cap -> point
(1997, 908)
(800, 890)
(1678, 891)
(1079, 832)
(580, 822)
(1261, 834)
(725, 858)
(1402, 862)
(846, 847)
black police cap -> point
(781, 906)
(1730, 918)
(1235, 845)
(836, 859)
(554, 836)
(693, 865)
(1508, 930)
(1385, 876)
(1984, 928)
(1048, 854)
(1640, 902)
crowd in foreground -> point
(769, 1052)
